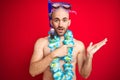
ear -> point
(69, 22)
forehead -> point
(60, 13)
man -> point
(44, 55)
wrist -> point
(89, 55)
(53, 55)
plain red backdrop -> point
(22, 22)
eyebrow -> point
(59, 19)
(65, 18)
(55, 19)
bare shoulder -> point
(38, 49)
(41, 41)
(79, 45)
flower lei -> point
(58, 73)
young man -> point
(52, 56)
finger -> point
(101, 43)
(98, 46)
(91, 43)
(70, 45)
(105, 40)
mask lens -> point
(55, 5)
(64, 5)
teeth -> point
(60, 29)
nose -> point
(60, 24)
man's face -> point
(60, 21)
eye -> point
(56, 20)
(64, 20)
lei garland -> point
(58, 73)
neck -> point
(61, 38)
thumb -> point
(91, 43)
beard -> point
(60, 31)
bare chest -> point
(47, 51)
(75, 52)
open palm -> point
(91, 49)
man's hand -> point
(62, 51)
(94, 48)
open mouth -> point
(60, 30)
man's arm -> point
(85, 64)
(39, 63)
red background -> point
(22, 22)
